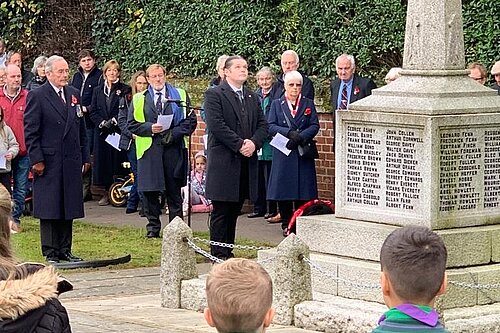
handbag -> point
(307, 149)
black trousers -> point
(225, 214)
(287, 208)
(56, 236)
(223, 226)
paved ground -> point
(109, 300)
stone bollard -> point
(178, 262)
(292, 283)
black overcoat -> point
(225, 138)
(158, 159)
(56, 135)
(107, 160)
(364, 88)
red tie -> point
(294, 111)
(343, 100)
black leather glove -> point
(291, 144)
(295, 137)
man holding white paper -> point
(162, 157)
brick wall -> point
(325, 165)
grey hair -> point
(3, 68)
(50, 62)
(293, 75)
(349, 57)
(293, 53)
(10, 54)
(265, 70)
(40, 61)
(221, 61)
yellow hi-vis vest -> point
(143, 143)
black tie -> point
(159, 105)
(60, 93)
(240, 95)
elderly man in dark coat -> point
(236, 129)
(162, 159)
(58, 153)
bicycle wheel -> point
(116, 197)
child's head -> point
(239, 296)
(413, 261)
(200, 161)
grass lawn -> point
(93, 241)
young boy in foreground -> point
(413, 261)
(239, 296)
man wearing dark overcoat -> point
(290, 62)
(57, 148)
(162, 159)
(348, 87)
(236, 129)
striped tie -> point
(343, 101)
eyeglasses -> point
(295, 84)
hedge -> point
(188, 36)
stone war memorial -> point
(422, 150)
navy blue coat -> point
(93, 80)
(158, 158)
(293, 177)
(56, 135)
(225, 138)
(107, 160)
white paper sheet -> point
(114, 140)
(3, 161)
(279, 142)
(205, 141)
(165, 120)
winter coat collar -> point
(17, 297)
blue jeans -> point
(20, 170)
(135, 196)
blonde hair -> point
(8, 263)
(239, 294)
(109, 64)
(133, 81)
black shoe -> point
(68, 256)
(269, 215)
(52, 259)
(254, 215)
(152, 234)
(131, 210)
(285, 232)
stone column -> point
(178, 262)
(292, 279)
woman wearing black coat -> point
(107, 99)
(39, 71)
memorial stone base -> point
(436, 170)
